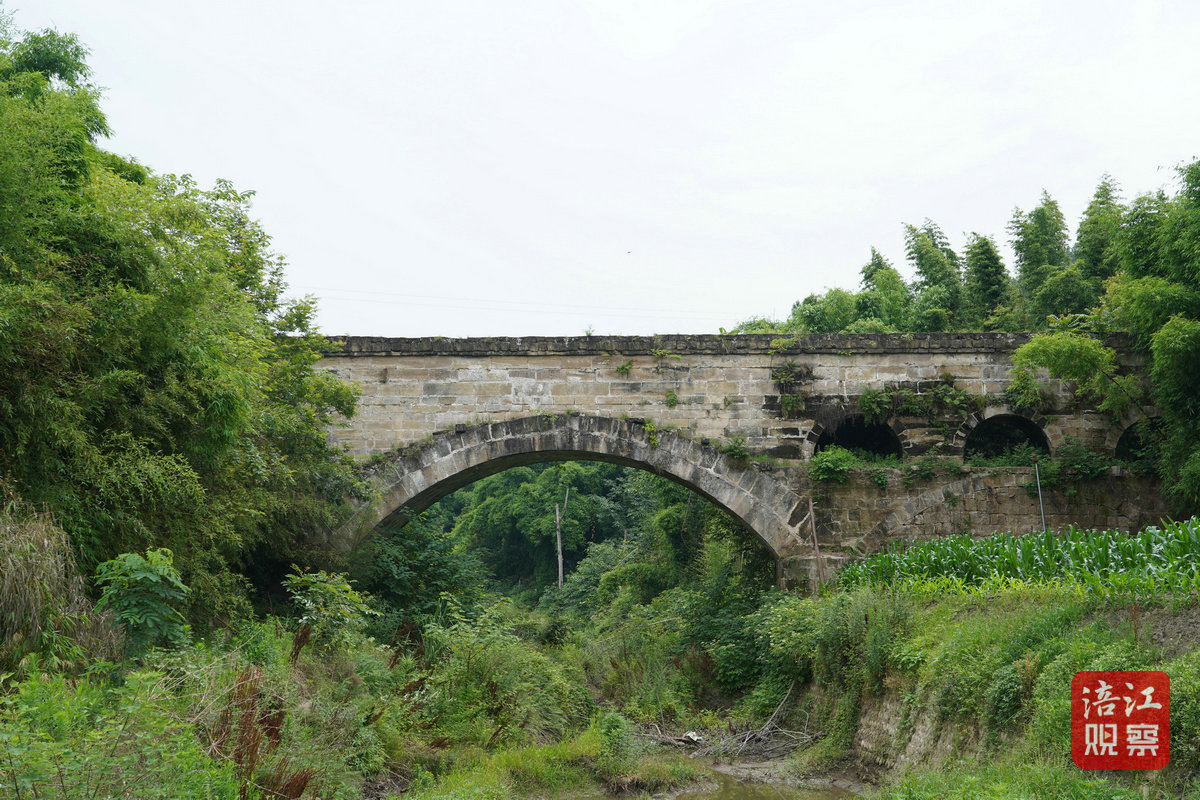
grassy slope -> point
(965, 694)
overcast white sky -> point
(478, 167)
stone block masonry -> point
(709, 389)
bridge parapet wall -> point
(707, 386)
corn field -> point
(1154, 561)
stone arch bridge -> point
(733, 417)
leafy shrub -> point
(489, 687)
(785, 624)
(616, 746)
(67, 740)
(833, 463)
(405, 572)
(330, 607)
(140, 592)
(1185, 712)
(1005, 698)
(735, 447)
(1074, 462)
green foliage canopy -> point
(156, 389)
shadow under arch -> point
(1001, 433)
(418, 476)
(855, 433)
(1140, 443)
(1033, 425)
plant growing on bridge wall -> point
(1072, 464)
(735, 447)
(624, 368)
(1079, 358)
(832, 464)
(790, 405)
(788, 374)
(786, 377)
(781, 345)
(651, 433)
(879, 477)
(941, 400)
(662, 356)
(876, 405)
(672, 398)
(926, 468)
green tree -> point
(1077, 357)
(1039, 242)
(508, 518)
(156, 389)
(145, 594)
(1096, 254)
(407, 570)
(1144, 228)
(1065, 291)
(830, 312)
(987, 280)
(1176, 354)
(1153, 296)
(1141, 306)
(939, 279)
(329, 606)
(885, 296)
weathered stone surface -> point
(722, 385)
(449, 411)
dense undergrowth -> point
(492, 698)
(462, 693)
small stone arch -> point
(1033, 426)
(1135, 436)
(831, 417)
(412, 479)
(855, 433)
(954, 447)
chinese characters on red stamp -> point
(1121, 720)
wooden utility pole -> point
(558, 532)
(812, 525)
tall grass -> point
(43, 606)
(1155, 561)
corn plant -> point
(1154, 561)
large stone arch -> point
(412, 479)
